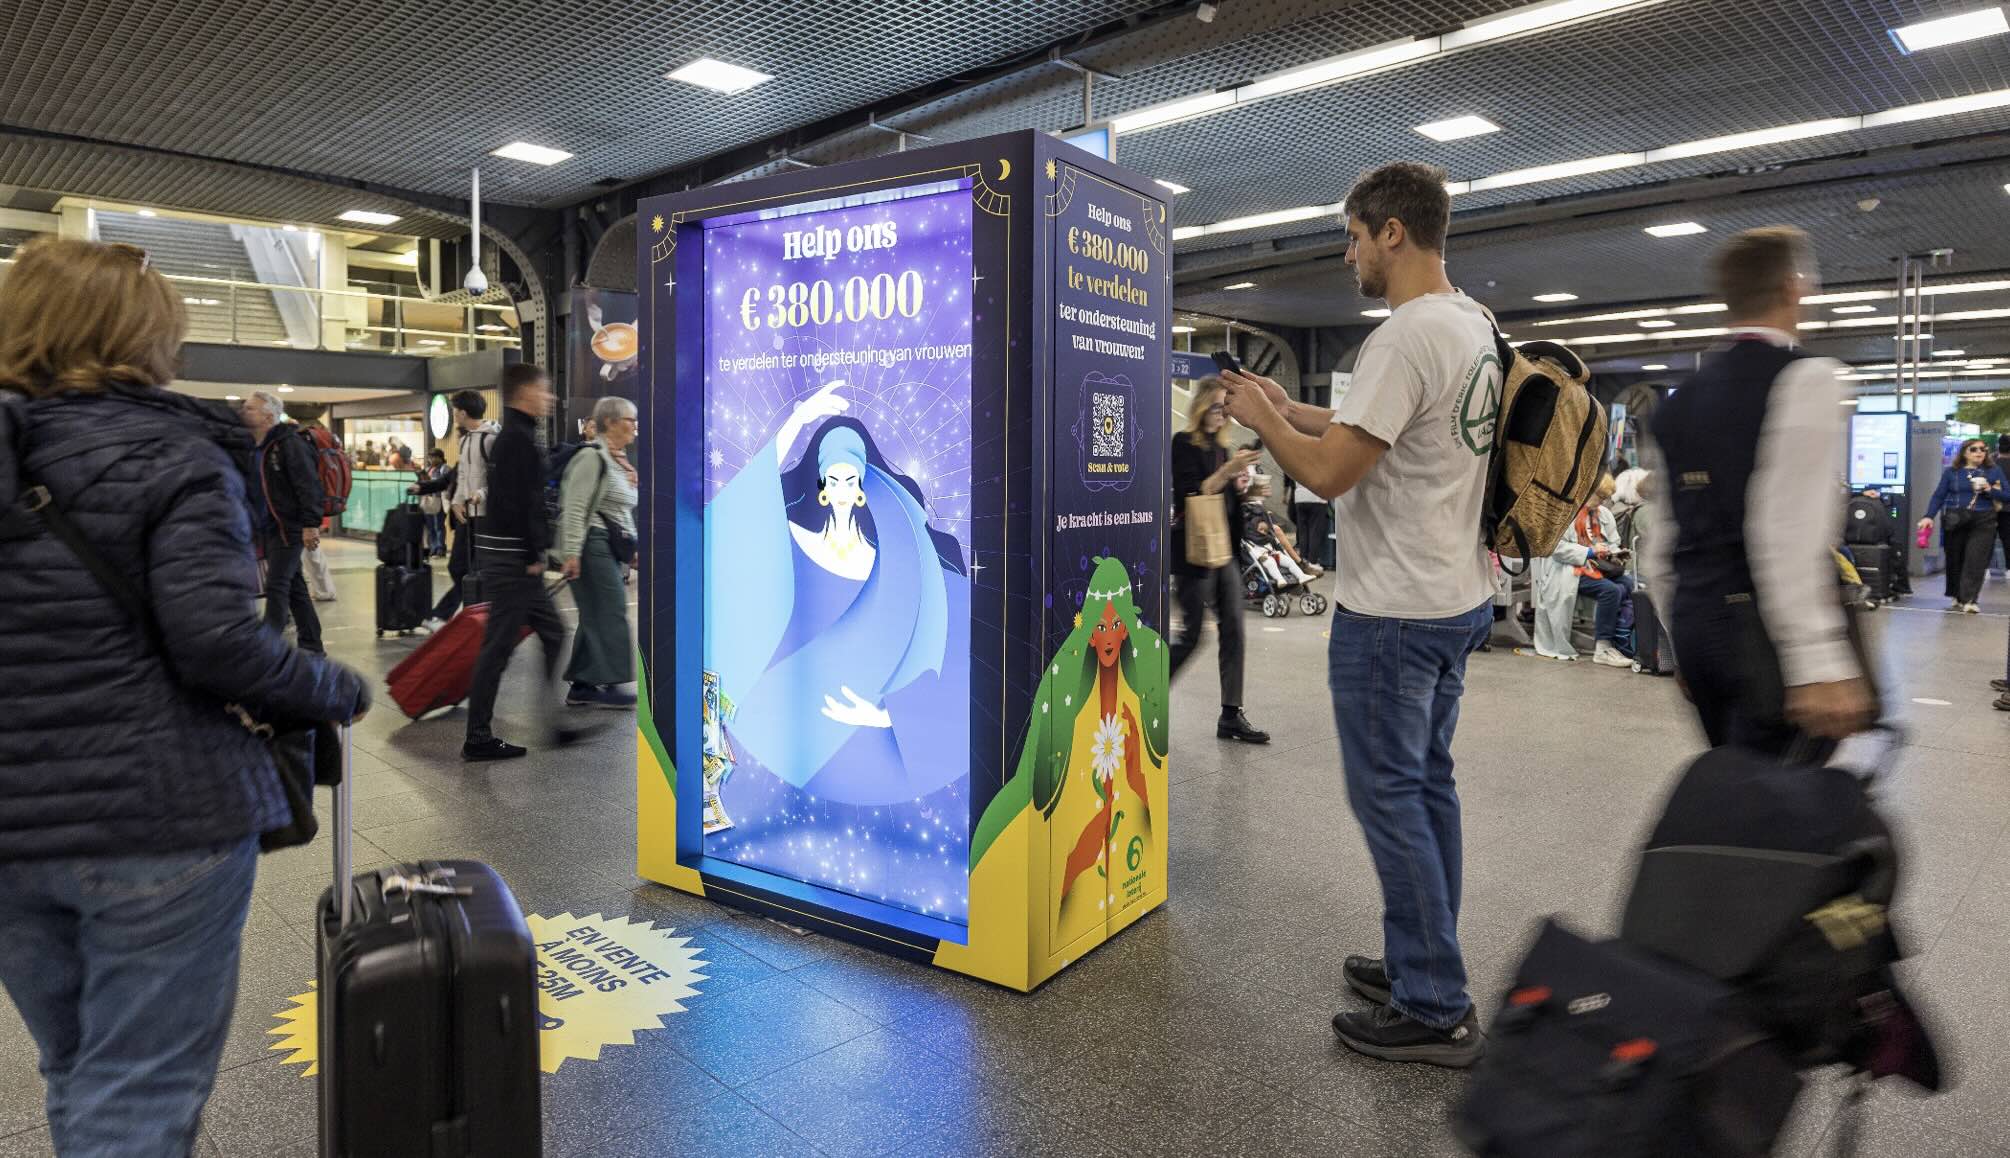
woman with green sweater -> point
(596, 539)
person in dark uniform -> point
(1203, 464)
(1752, 443)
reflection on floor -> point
(1203, 1030)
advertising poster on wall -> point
(1103, 702)
(837, 541)
(603, 345)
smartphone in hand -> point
(1223, 360)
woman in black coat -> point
(131, 798)
(1203, 464)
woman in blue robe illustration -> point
(838, 618)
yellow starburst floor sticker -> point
(600, 980)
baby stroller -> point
(1272, 581)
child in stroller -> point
(1273, 574)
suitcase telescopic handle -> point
(345, 817)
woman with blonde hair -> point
(1203, 464)
(131, 799)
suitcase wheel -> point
(380, 633)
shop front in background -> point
(385, 453)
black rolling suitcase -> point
(404, 597)
(1652, 653)
(1873, 566)
(428, 1011)
(401, 541)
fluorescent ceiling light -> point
(719, 76)
(535, 154)
(1657, 324)
(1854, 310)
(1174, 186)
(1548, 299)
(148, 213)
(291, 228)
(1678, 229)
(1381, 313)
(1654, 366)
(1182, 329)
(1559, 171)
(1658, 336)
(1458, 128)
(1953, 106)
(1950, 353)
(431, 342)
(1156, 115)
(285, 389)
(1950, 30)
(1754, 139)
(1185, 232)
(201, 302)
(1530, 19)
(1241, 285)
(1339, 68)
(232, 398)
(367, 217)
(492, 328)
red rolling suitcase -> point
(440, 672)
(428, 1011)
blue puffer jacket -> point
(102, 751)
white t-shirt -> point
(1428, 383)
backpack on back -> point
(333, 467)
(1548, 453)
(554, 477)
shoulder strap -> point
(38, 501)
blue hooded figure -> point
(838, 619)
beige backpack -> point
(1548, 452)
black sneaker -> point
(475, 751)
(1999, 685)
(2002, 703)
(582, 696)
(1368, 977)
(1383, 1033)
(1238, 727)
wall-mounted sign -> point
(439, 418)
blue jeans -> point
(125, 969)
(1611, 595)
(1396, 685)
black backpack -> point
(1776, 877)
(561, 456)
(1602, 1050)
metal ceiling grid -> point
(392, 92)
(1674, 72)
(1610, 261)
(146, 178)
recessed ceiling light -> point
(1854, 310)
(285, 389)
(1458, 128)
(431, 342)
(232, 398)
(148, 213)
(719, 76)
(535, 154)
(1658, 324)
(1950, 30)
(1654, 366)
(492, 328)
(1174, 186)
(1550, 299)
(1241, 285)
(1950, 353)
(367, 217)
(1678, 229)
(1182, 329)
(201, 302)
(291, 228)
(1381, 313)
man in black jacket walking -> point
(287, 509)
(509, 556)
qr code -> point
(1110, 426)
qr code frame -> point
(1109, 425)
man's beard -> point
(1372, 284)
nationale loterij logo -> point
(599, 981)
(1479, 406)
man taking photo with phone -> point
(1405, 452)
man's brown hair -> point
(517, 376)
(1410, 192)
(82, 315)
(1753, 268)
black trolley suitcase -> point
(404, 597)
(401, 541)
(428, 1011)
(1873, 566)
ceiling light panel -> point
(1754, 139)
(367, 217)
(1241, 285)
(1658, 324)
(1948, 30)
(1533, 18)
(1552, 298)
(1676, 229)
(719, 76)
(1458, 128)
(535, 154)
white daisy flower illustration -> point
(1106, 750)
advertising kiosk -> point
(904, 536)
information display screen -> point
(1877, 449)
(837, 544)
